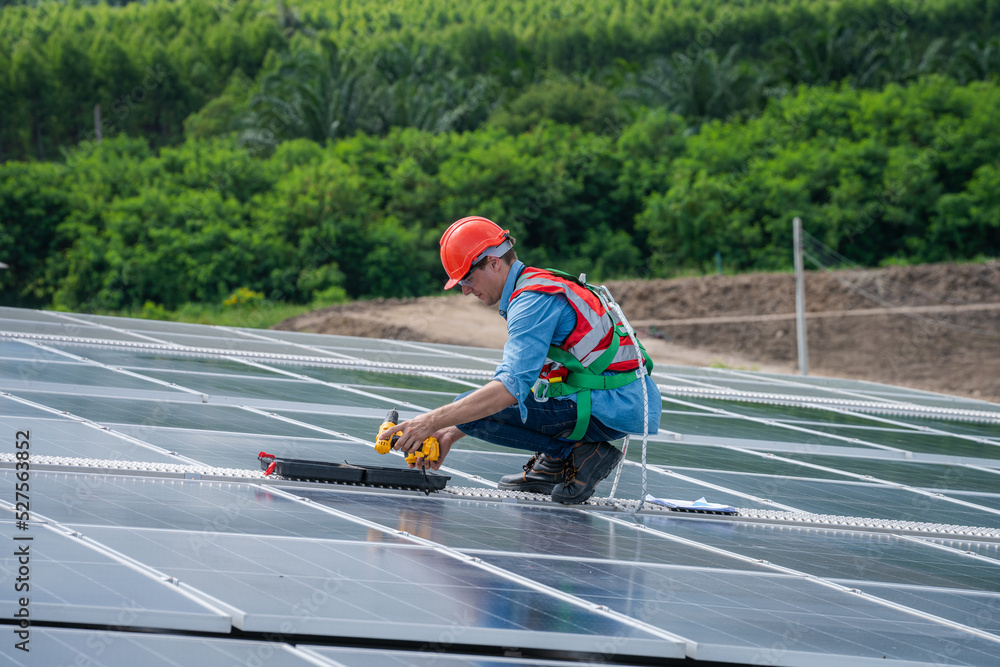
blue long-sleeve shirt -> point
(537, 320)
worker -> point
(567, 384)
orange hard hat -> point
(467, 241)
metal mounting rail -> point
(926, 529)
(744, 514)
(308, 360)
(118, 467)
(874, 407)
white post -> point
(800, 298)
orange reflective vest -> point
(596, 345)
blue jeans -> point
(544, 430)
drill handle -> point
(383, 441)
(430, 450)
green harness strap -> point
(582, 379)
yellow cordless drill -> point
(383, 442)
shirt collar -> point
(508, 287)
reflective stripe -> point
(594, 328)
(598, 325)
(593, 347)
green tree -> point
(976, 60)
(308, 94)
(586, 105)
(32, 88)
(33, 203)
(701, 86)
(827, 55)
(965, 224)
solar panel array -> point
(868, 533)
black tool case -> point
(346, 473)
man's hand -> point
(445, 438)
(440, 422)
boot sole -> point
(601, 474)
(537, 487)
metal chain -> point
(488, 493)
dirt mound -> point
(933, 327)
(770, 293)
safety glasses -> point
(467, 280)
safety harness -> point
(597, 345)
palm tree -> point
(323, 96)
(699, 86)
(318, 96)
(827, 55)
(976, 61)
(902, 62)
(422, 89)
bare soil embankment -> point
(933, 327)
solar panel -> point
(73, 581)
(483, 527)
(842, 554)
(974, 609)
(368, 589)
(923, 475)
(188, 505)
(224, 449)
(110, 648)
(867, 525)
(751, 611)
(65, 438)
(383, 658)
(851, 498)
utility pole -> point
(800, 298)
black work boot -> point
(588, 464)
(541, 474)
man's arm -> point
(440, 422)
(534, 321)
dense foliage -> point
(311, 152)
(908, 172)
(147, 66)
(308, 69)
